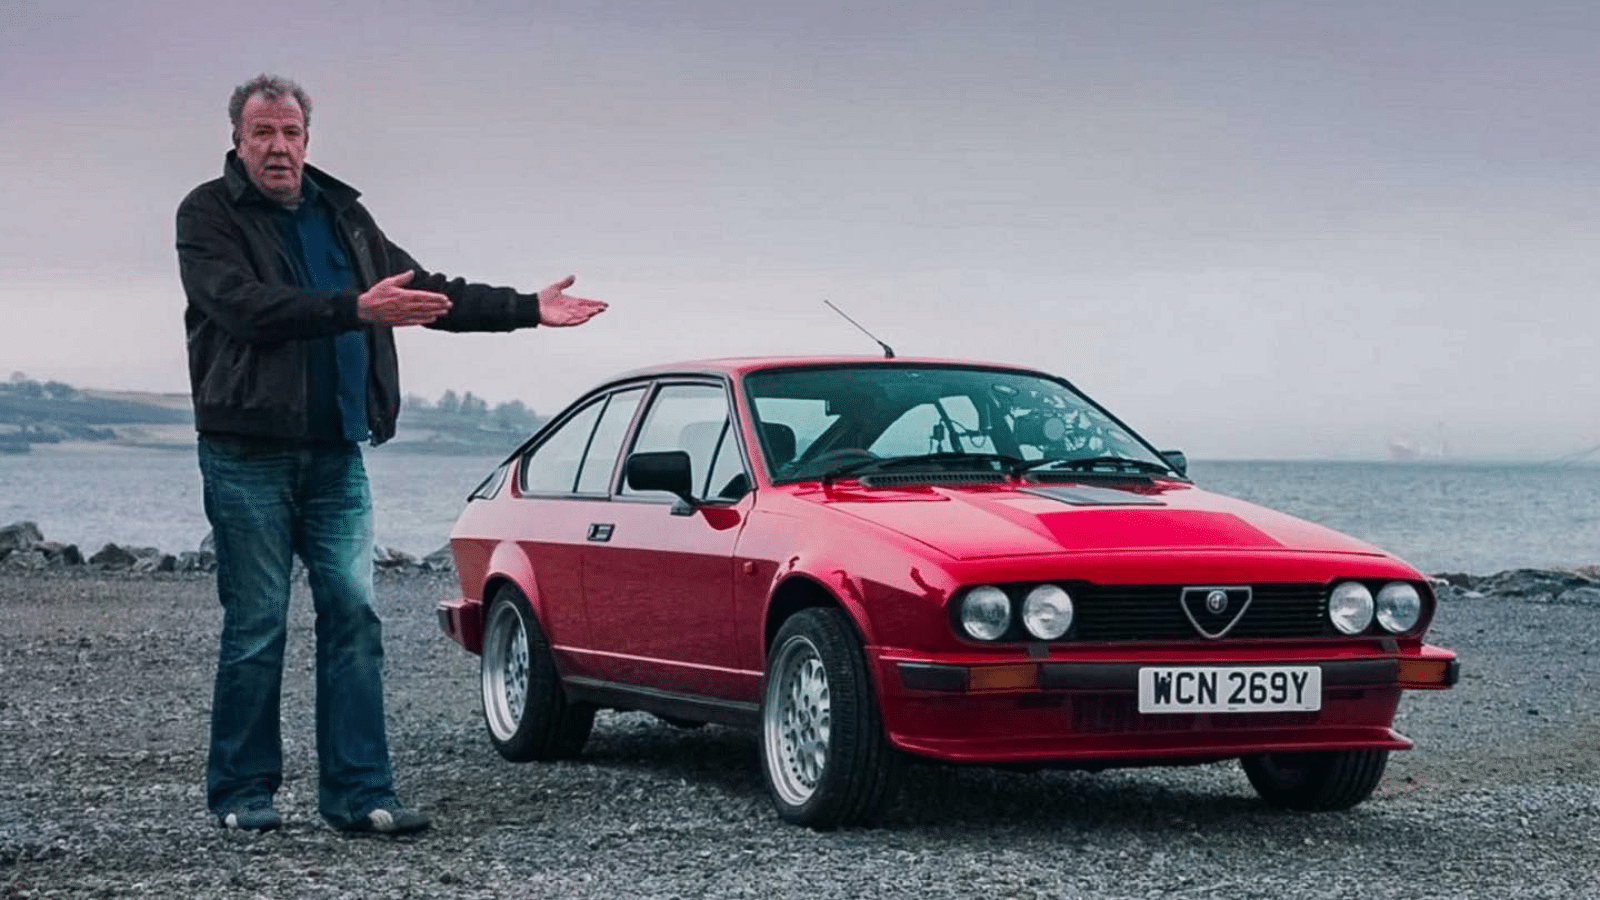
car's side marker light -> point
(1429, 674)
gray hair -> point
(272, 87)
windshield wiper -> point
(1007, 463)
(1121, 464)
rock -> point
(197, 561)
(1455, 579)
(143, 559)
(1534, 584)
(152, 560)
(1447, 592)
(1581, 596)
(113, 557)
(389, 558)
(26, 560)
(19, 536)
(60, 554)
(440, 560)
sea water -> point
(1439, 516)
(1475, 517)
(91, 496)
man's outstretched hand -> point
(558, 309)
(390, 303)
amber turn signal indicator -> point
(1003, 678)
(1426, 674)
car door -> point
(657, 576)
(560, 483)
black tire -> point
(824, 756)
(526, 710)
(1316, 782)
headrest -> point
(779, 439)
(700, 439)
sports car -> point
(868, 560)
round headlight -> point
(1399, 607)
(986, 612)
(1350, 607)
(1047, 612)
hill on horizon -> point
(33, 412)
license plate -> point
(1204, 689)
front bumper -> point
(1084, 711)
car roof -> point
(735, 366)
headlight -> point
(1047, 612)
(1399, 607)
(986, 612)
(1350, 607)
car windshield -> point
(841, 420)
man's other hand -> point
(558, 309)
(389, 303)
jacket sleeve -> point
(222, 280)
(473, 306)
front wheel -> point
(825, 759)
(1316, 782)
(528, 714)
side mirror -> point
(666, 470)
(1177, 460)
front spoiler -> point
(1084, 713)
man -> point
(293, 295)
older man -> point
(293, 295)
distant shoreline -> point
(37, 415)
(406, 443)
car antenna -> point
(888, 352)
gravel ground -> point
(102, 740)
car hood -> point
(975, 522)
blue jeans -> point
(266, 502)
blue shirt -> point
(336, 367)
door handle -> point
(601, 531)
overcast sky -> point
(1252, 229)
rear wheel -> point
(825, 759)
(528, 714)
(1316, 782)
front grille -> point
(1155, 613)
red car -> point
(870, 559)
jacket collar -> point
(242, 190)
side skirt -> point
(691, 707)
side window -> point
(601, 460)
(552, 467)
(924, 429)
(692, 418)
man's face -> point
(271, 143)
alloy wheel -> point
(505, 670)
(798, 720)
